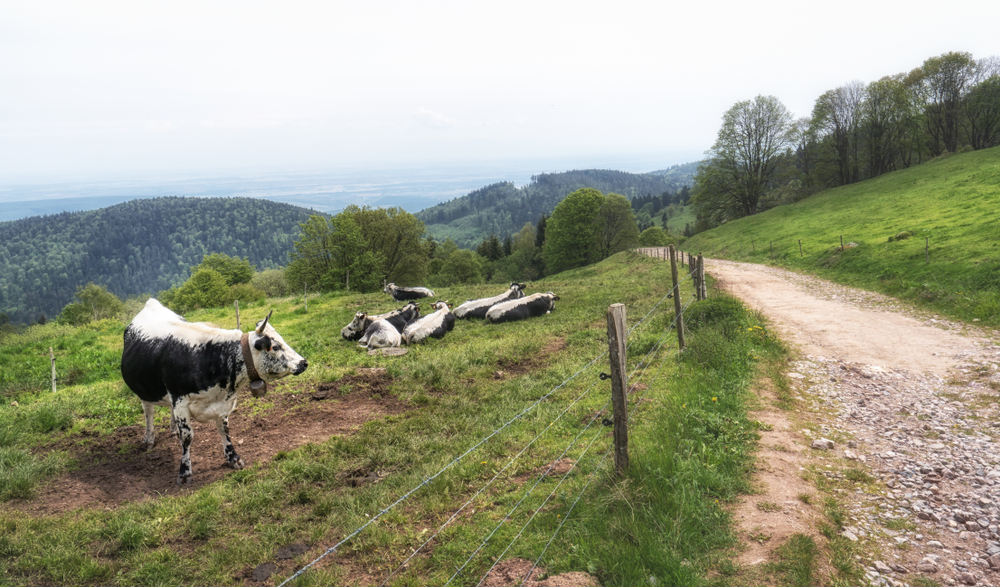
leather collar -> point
(248, 357)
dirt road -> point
(910, 398)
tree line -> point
(138, 247)
(503, 209)
(764, 157)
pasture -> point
(424, 469)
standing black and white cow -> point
(478, 308)
(531, 306)
(401, 294)
(436, 324)
(196, 369)
(398, 318)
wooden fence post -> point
(800, 247)
(348, 281)
(702, 289)
(753, 247)
(927, 248)
(619, 384)
(305, 295)
(771, 243)
(841, 242)
(678, 312)
(52, 359)
(237, 304)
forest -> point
(765, 157)
(139, 247)
(503, 209)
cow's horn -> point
(263, 325)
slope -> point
(503, 208)
(946, 254)
(142, 246)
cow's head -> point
(388, 287)
(441, 305)
(518, 290)
(272, 357)
(356, 329)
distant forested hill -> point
(503, 209)
(142, 246)
(681, 174)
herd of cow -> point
(407, 326)
(196, 369)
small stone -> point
(966, 578)
(849, 535)
(852, 444)
(900, 569)
(934, 544)
(882, 568)
(823, 444)
(849, 455)
(927, 567)
(794, 375)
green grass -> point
(950, 203)
(691, 449)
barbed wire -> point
(527, 494)
(426, 481)
(490, 482)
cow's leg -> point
(232, 458)
(150, 437)
(186, 434)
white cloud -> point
(433, 120)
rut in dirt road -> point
(909, 395)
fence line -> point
(490, 482)
(458, 459)
(426, 481)
(549, 497)
(634, 407)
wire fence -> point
(642, 364)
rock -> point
(823, 444)
(882, 568)
(849, 455)
(849, 535)
(994, 561)
(966, 578)
(900, 569)
(927, 567)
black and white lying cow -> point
(362, 321)
(401, 294)
(196, 369)
(531, 306)
(381, 334)
(436, 324)
(478, 308)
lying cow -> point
(527, 307)
(196, 369)
(401, 294)
(381, 334)
(478, 308)
(362, 321)
(434, 325)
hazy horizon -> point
(114, 89)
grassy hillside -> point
(469, 423)
(138, 247)
(951, 204)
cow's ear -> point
(262, 344)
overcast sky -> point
(122, 88)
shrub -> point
(272, 282)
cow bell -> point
(258, 388)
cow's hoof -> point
(237, 464)
(184, 480)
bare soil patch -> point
(117, 468)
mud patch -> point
(117, 468)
